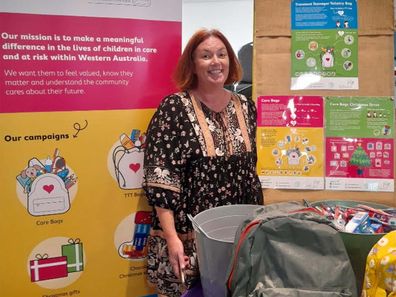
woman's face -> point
(211, 62)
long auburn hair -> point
(184, 76)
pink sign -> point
(290, 111)
(63, 63)
(359, 157)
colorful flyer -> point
(359, 143)
(290, 142)
(324, 50)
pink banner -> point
(64, 63)
(290, 111)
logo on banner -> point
(56, 262)
(127, 160)
(131, 236)
(46, 184)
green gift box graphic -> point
(74, 253)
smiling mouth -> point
(215, 71)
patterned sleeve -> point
(253, 123)
(163, 160)
(251, 113)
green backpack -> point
(288, 251)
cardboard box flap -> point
(370, 12)
(272, 18)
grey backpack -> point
(288, 251)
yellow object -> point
(380, 275)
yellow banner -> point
(71, 188)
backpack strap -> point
(241, 240)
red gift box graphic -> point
(45, 268)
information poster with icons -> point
(290, 142)
(324, 45)
(360, 144)
(79, 82)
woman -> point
(201, 153)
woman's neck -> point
(215, 99)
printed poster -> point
(324, 49)
(290, 142)
(69, 63)
(79, 82)
(360, 144)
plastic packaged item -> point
(376, 213)
(339, 218)
(377, 228)
(358, 219)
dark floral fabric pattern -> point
(160, 271)
(198, 159)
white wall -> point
(234, 18)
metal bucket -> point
(215, 230)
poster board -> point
(271, 73)
(79, 82)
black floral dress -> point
(196, 159)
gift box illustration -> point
(128, 160)
(44, 268)
(74, 254)
(47, 185)
(136, 249)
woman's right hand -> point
(175, 245)
(177, 258)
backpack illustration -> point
(48, 196)
(289, 251)
(47, 185)
(128, 160)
